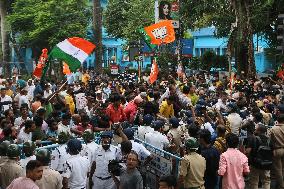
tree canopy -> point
(42, 24)
(123, 18)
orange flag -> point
(66, 69)
(154, 72)
(41, 62)
(161, 33)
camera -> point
(114, 167)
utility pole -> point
(97, 23)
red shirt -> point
(82, 129)
(130, 111)
(115, 115)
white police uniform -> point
(59, 157)
(142, 152)
(76, 169)
(24, 162)
(88, 150)
(157, 139)
(102, 178)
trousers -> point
(103, 184)
(255, 175)
(278, 167)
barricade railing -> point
(163, 163)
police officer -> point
(100, 178)
(192, 167)
(3, 151)
(28, 150)
(90, 145)
(10, 169)
(51, 179)
(59, 154)
(76, 168)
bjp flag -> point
(161, 33)
(66, 69)
(154, 72)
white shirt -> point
(220, 105)
(6, 98)
(47, 93)
(89, 150)
(157, 139)
(30, 90)
(24, 137)
(19, 121)
(76, 169)
(235, 121)
(102, 158)
(142, 130)
(140, 150)
(208, 126)
(59, 157)
(63, 128)
(23, 100)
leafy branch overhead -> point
(39, 24)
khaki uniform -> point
(9, 171)
(192, 169)
(50, 179)
(277, 139)
(3, 159)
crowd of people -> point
(229, 132)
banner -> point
(167, 10)
(161, 33)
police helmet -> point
(191, 143)
(106, 134)
(29, 148)
(4, 147)
(74, 146)
(43, 156)
(13, 151)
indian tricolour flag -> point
(74, 51)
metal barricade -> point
(164, 163)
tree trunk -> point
(4, 36)
(244, 52)
(97, 23)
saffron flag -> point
(154, 72)
(74, 51)
(161, 33)
(147, 38)
(66, 69)
(41, 63)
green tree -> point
(238, 20)
(42, 24)
(123, 18)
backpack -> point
(264, 153)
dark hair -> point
(126, 146)
(115, 97)
(28, 124)
(221, 129)
(262, 128)
(205, 135)
(134, 153)
(7, 131)
(280, 118)
(170, 180)
(33, 164)
(186, 90)
(24, 106)
(232, 140)
(38, 121)
(66, 117)
(258, 117)
(193, 131)
(6, 112)
(161, 13)
(171, 98)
